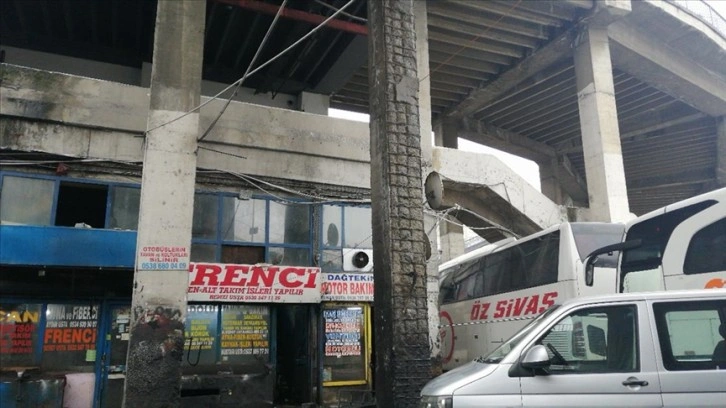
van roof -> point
(660, 295)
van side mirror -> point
(592, 257)
(536, 357)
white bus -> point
(680, 246)
(486, 297)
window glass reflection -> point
(26, 201)
(243, 220)
(358, 227)
(289, 224)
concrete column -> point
(447, 133)
(721, 152)
(313, 103)
(161, 276)
(604, 169)
(551, 182)
(403, 354)
(452, 240)
(424, 108)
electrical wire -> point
(247, 71)
(351, 16)
(254, 71)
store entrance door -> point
(295, 354)
(115, 344)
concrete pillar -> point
(550, 183)
(313, 103)
(424, 109)
(403, 355)
(599, 125)
(447, 133)
(721, 152)
(452, 240)
(161, 276)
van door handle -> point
(634, 381)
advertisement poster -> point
(70, 328)
(253, 283)
(344, 344)
(355, 287)
(245, 333)
(18, 333)
(200, 333)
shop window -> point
(332, 261)
(289, 224)
(19, 334)
(80, 203)
(200, 332)
(245, 334)
(243, 220)
(240, 254)
(332, 226)
(290, 256)
(205, 216)
(26, 201)
(124, 208)
(346, 347)
(203, 253)
(358, 227)
(69, 339)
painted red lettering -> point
(532, 306)
(311, 279)
(484, 308)
(548, 300)
(509, 307)
(285, 279)
(475, 311)
(268, 276)
(206, 274)
(233, 275)
(519, 305)
(501, 308)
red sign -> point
(253, 283)
(517, 307)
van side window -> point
(707, 250)
(594, 340)
(688, 333)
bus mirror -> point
(592, 258)
(590, 270)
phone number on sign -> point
(163, 265)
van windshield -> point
(500, 352)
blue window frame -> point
(226, 228)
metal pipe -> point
(298, 15)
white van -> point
(653, 349)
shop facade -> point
(279, 305)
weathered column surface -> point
(403, 360)
(161, 276)
(604, 169)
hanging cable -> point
(247, 71)
(351, 16)
(254, 71)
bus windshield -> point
(500, 352)
(589, 237)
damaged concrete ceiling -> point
(503, 70)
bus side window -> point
(707, 250)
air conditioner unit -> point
(357, 260)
